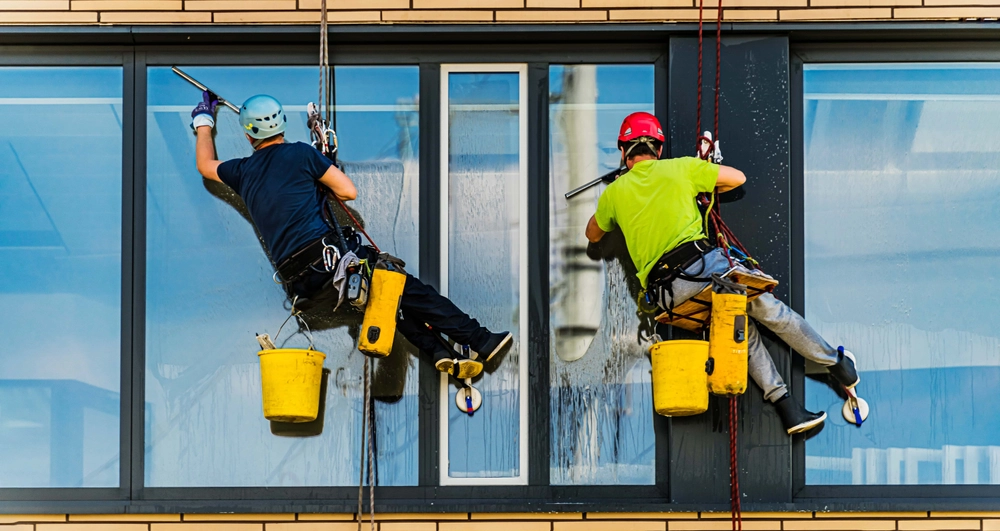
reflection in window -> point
(601, 400)
(60, 258)
(209, 288)
(901, 192)
(484, 263)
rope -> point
(367, 449)
(734, 471)
(324, 59)
(701, 13)
(724, 237)
(358, 225)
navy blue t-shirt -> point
(280, 187)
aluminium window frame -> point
(524, 220)
(114, 56)
(867, 497)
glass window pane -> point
(901, 193)
(484, 189)
(60, 256)
(601, 399)
(209, 288)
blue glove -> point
(204, 113)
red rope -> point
(718, 68)
(701, 12)
(734, 471)
(358, 225)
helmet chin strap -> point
(647, 141)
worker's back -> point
(654, 204)
(279, 185)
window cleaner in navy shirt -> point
(284, 186)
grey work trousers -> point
(773, 314)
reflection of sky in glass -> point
(209, 288)
(60, 258)
(483, 275)
(602, 420)
(901, 195)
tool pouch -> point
(727, 338)
(379, 325)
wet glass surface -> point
(901, 192)
(601, 399)
(483, 262)
(209, 288)
(60, 258)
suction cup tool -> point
(468, 400)
(855, 409)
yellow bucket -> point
(290, 381)
(680, 383)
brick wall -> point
(916, 521)
(476, 11)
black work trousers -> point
(420, 305)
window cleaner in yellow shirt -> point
(654, 205)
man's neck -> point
(279, 140)
(635, 160)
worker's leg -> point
(792, 329)
(424, 304)
(762, 368)
(416, 333)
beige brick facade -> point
(798, 521)
(480, 11)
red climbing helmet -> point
(640, 124)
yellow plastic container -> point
(727, 337)
(290, 380)
(379, 325)
(680, 384)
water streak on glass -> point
(483, 275)
(601, 399)
(901, 189)
(209, 289)
(60, 258)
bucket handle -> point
(297, 315)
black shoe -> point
(794, 417)
(495, 345)
(844, 371)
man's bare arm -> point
(594, 232)
(339, 184)
(204, 153)
(729, 178)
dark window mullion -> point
(538, 275)
(137, 260)
(127, 259)
(430, 260)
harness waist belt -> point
(294, 266)
(680, 258)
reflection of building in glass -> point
(601, 411)
(66, 427)
(901, 194)
(950, 465)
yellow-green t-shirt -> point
(654, 204)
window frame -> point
(965, 496)
(115, 57)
